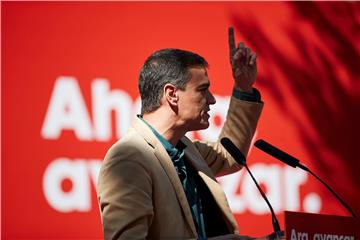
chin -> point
(198, 124)
(202, 126)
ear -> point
(171, 94)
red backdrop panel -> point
(69, 90)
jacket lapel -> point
(210, 181)
(168, 167)
(221, 200)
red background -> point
(308, 61)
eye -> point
(203, 89)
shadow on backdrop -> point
(323, 80)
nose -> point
(210, 98)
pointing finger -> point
(232, 46)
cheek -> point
(193, 104)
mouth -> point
(206, 113)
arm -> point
(125, 196)
(240, 127)
(242, 115)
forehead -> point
(198, 76)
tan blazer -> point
(140, 194)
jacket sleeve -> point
(124, 185)
(240, 125)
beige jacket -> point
(139, 192)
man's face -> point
(194, 102)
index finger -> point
(232, 46)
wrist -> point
(253, 96)
(243, 89)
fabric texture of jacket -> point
(139, 192)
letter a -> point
(67, 111)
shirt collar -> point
(170, 149)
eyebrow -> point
(206, 85)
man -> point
(157, 184)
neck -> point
(166, 125)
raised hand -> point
(243, 64)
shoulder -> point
(132, 149)
(131, 143)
